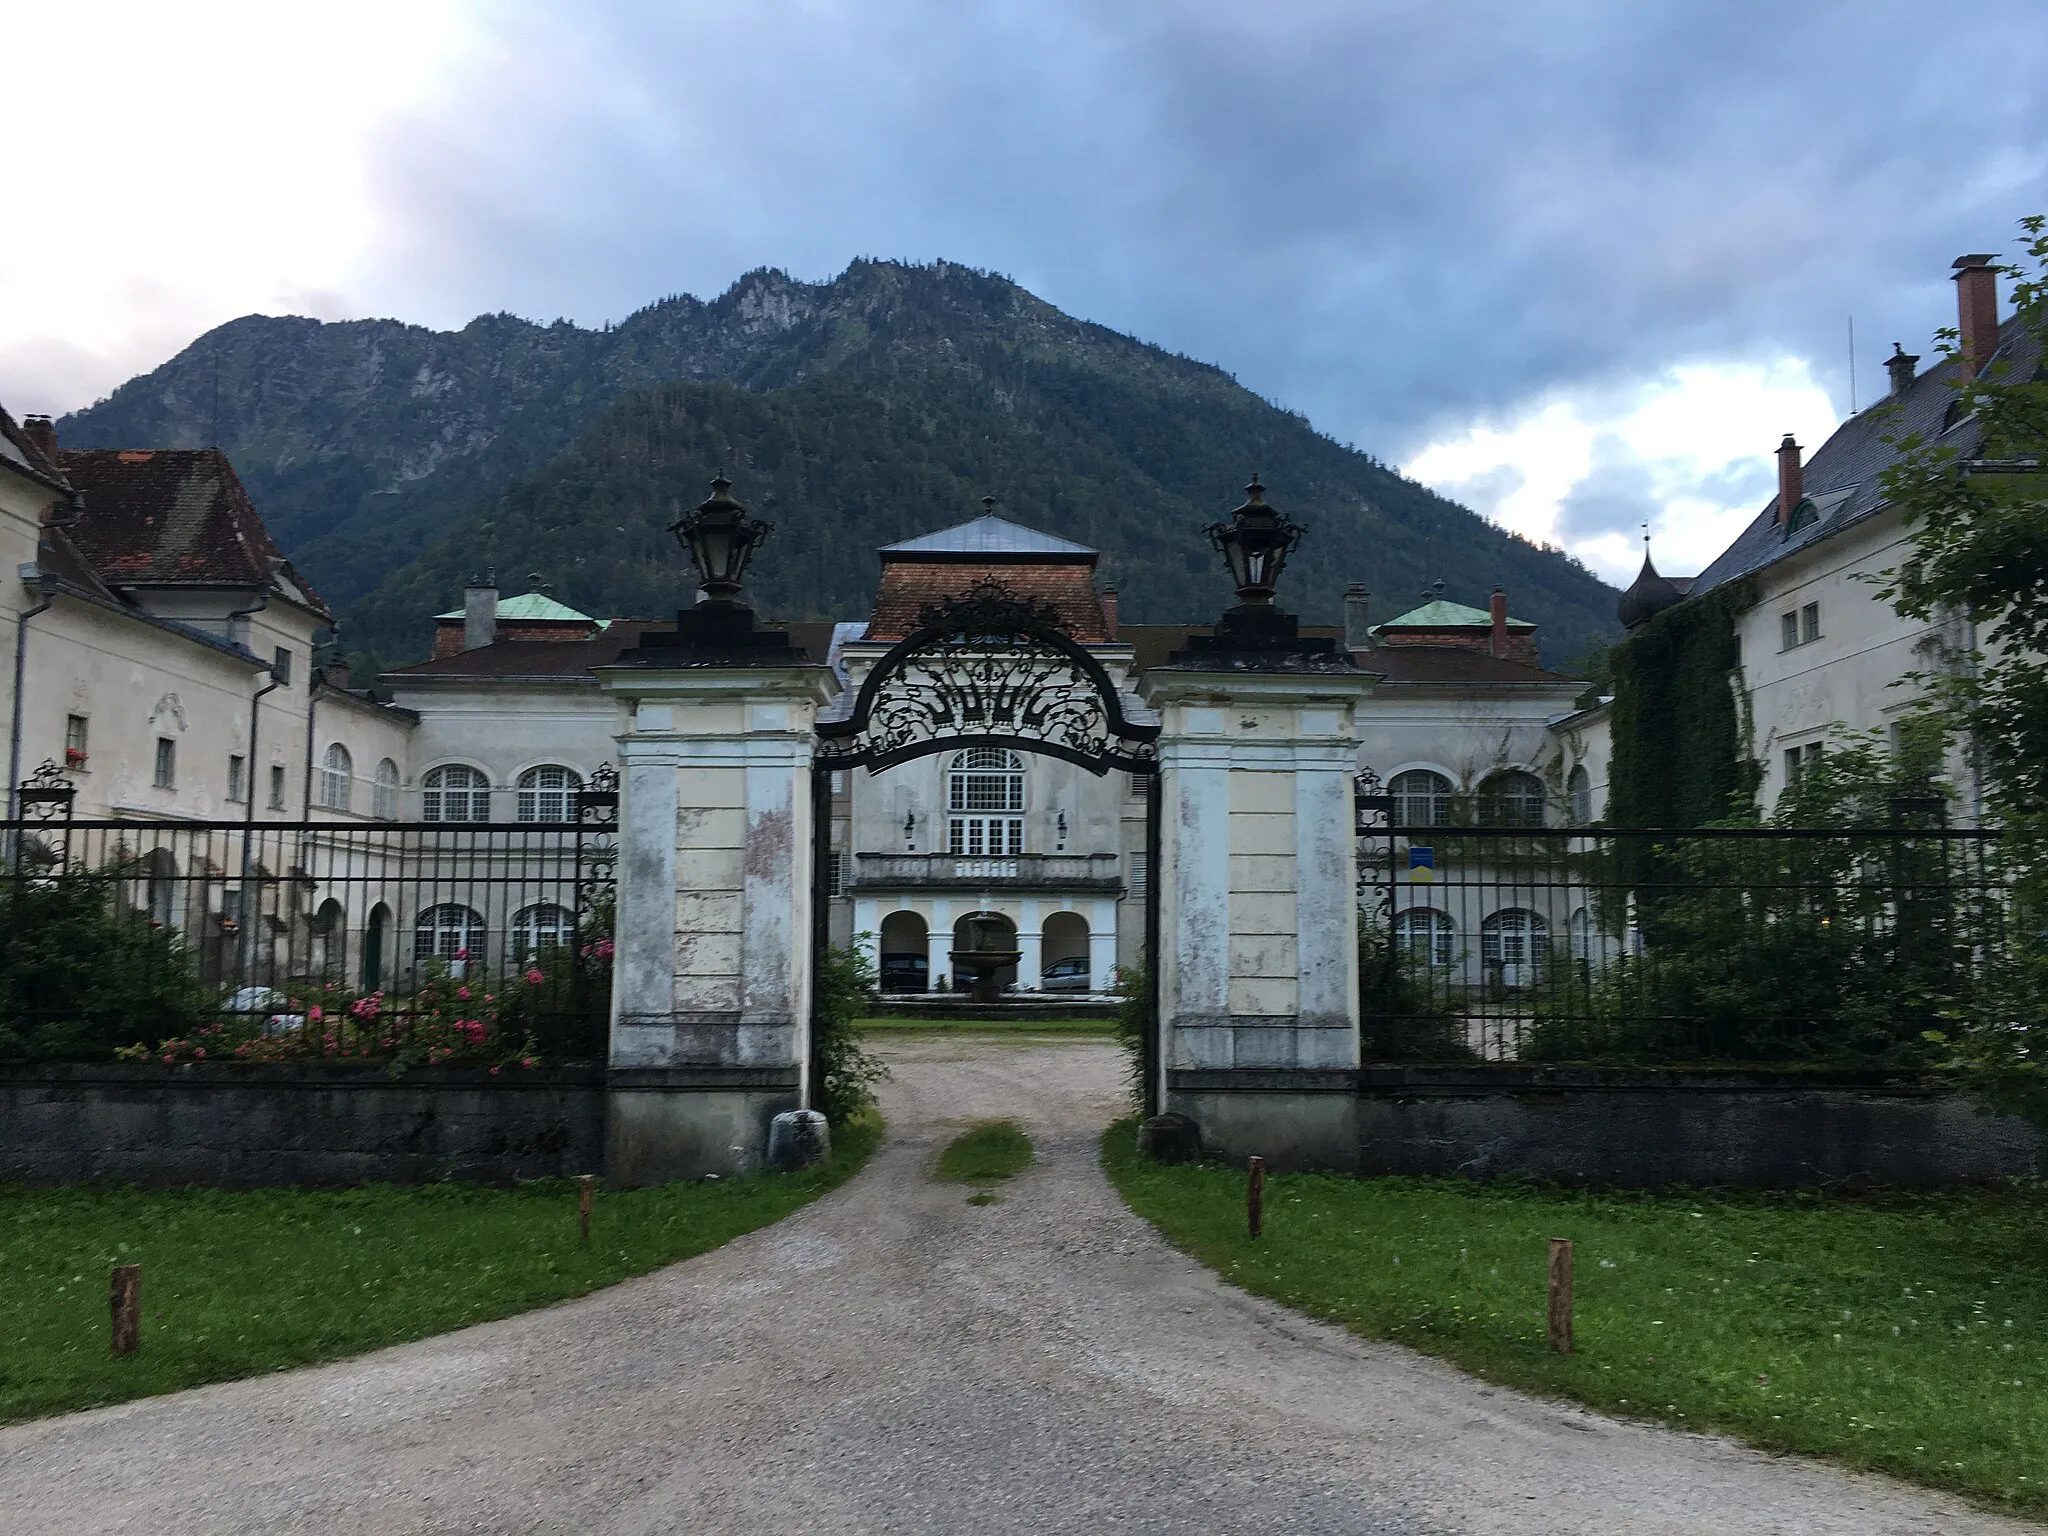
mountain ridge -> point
(388, 457)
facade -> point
(1822, 652)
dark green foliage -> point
(1842, 949)
(1401, 1017)
(847, 1071)
(80, 975)
(1681, 748)
(883, 404)
(1135, 1017)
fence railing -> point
(121, 931)
(1750, 944)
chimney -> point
(480, 611)
(1109, 612)
(1900, 366)
(42, 436)
(1791, 480)
(1357, 618)
(1497, 607)
(1976, 312)
(336, 675)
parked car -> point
(905, 973)
(1070, 975)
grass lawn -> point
(988, 1154)
(1903, 1333)
(1102, 1027)
(238, 1282)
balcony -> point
(960, 872)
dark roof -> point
(1650, 594)
(577, 660)
(19, 453)
(1153, 643)
(1842, 477)
(1421, 665)
(175, 517)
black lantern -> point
(1255, 543)
(720, 539)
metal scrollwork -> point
(46, 795)
(989, 667)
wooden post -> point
(124, 1300)
(1561, 1295)
(1255, 1197)
(583, 1187)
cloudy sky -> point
(1577, 264)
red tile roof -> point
(167, 517)
(908, 587)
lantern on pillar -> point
(720, 539)
(1255, 544)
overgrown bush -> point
(847, 1071)
(79, 976)
(1133, 1021)
(1401, 1017)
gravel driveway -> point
(894, 1359)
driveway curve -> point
(892, 1359)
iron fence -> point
(1839, 946)
(124, 931)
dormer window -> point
(1804, 515)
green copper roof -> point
(532, 605)
(1441, 614)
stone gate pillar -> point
(1258, 922)
(710, 1033)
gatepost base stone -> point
(797, 1139)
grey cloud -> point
(1391, 216)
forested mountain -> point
(391, 461)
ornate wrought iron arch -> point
(989, 668)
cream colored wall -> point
(370, 735)
(1465, 735)
(504, 729)
(1854, 675)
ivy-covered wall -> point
(1681, 739)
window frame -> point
(1436, 944)
(476, 790)
(1529, 794)
(238, 778)
(1438, 797)
(385, 791)
(533, 798)
(337, 780)
(165, 772)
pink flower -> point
(170, 1058)
(534, 977)
(463, 993)
(526, 1061)
(494, 1071)
(315, 1014)
(604, 949)
(200, 1054)
(462, 954)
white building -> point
(1821, 651)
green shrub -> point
(847, 1071)
(79, 976)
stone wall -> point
(1641, 1129)
(250, 1127)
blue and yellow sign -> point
(1422, 864)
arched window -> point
(1511, 799)
(1578, 787)
(1421, 799)
(337, 778)
(450, 932)
(1425, 935)
(548, 793)
(544, 925)
(985, 803)
(384, 795)
(456, 793)
(1514, 938)
(1582, 934)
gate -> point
(267, 914)
(990, 669)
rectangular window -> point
(1788, 629)
(238, 777)
(166, 763)
(985, 836)
(277, 788)
(1809, 623)
(74, 741)
(1139, 874)
(835, 876)
(839, 782)
(1798, 760)
(281, 665)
